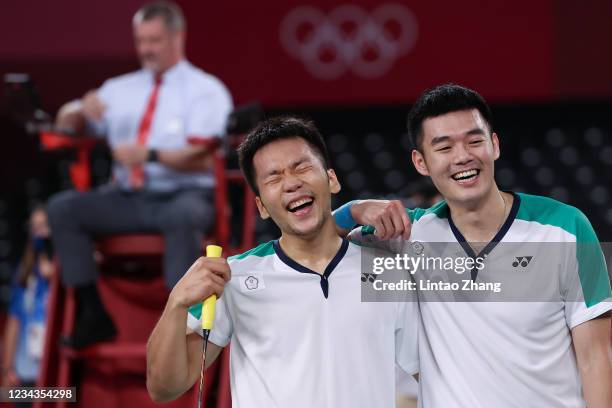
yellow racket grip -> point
(208, 306)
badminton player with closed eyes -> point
(290, 309)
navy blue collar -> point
(301, 268)
(496, 239)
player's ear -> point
(419, 163)
(179, 38)
(495, 141)
(263, 213)
(334, 184)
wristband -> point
(343, 217)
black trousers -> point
(77, 218)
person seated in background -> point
(421, 193)
(25, 328)
(162, 182)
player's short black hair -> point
(441, 100)
(278, 128)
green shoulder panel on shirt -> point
(367, 230)
(592, 271)
(259, 251)
(547, 211)
(195, 310)
(415, 213)
(439, 209)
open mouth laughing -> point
(466, 176)
(300, 205)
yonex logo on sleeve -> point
(522, 261)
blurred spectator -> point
(163, 181)
(420, 193)
(25, 328)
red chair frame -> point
(56, 363)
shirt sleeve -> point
(222, 328)
(100, 128)
(207, 117)
(587, 293)
(406, 336)
(364, 236)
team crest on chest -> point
(251, 283)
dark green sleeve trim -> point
(592, 270)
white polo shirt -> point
(486, 354)
(190, 104)
(302, 339)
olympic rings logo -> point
(349, 39)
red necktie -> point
(137, 172)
